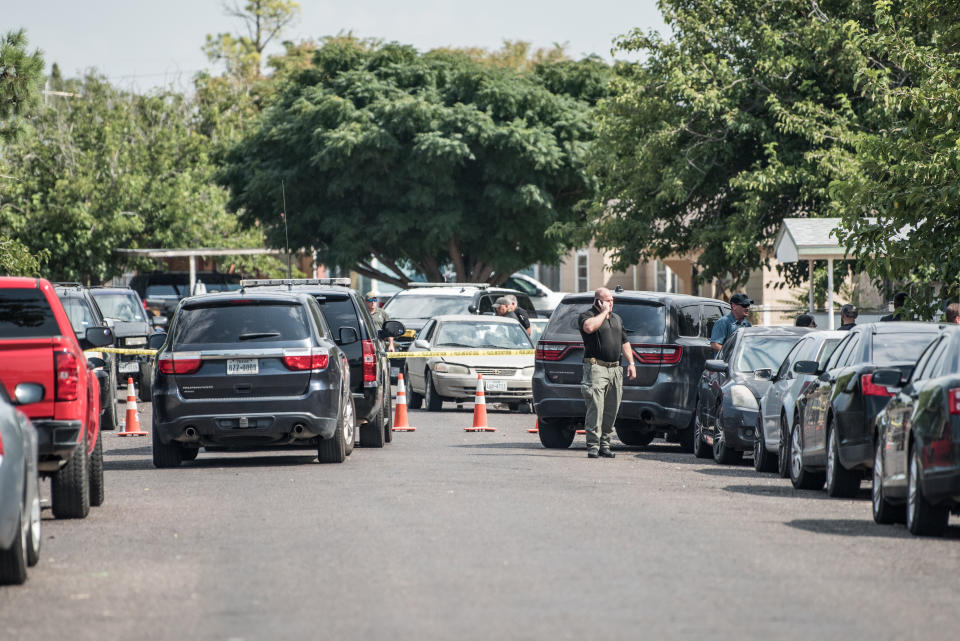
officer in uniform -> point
(737, 318)
(378, 316)
(848, 317)
(604, 340)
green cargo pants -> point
(602, 388)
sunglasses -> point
(372, 300)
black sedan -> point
(728, 400)
(917, 458)
(833, 440)
(246, 370)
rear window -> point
(241, 323)
(891, 348)
(638, 319)
(25, 313)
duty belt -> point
(597, 361)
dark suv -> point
(670, 335)
(357, 335)
(247, 370)
(122, 308)
(161, 291)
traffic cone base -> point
(535, 429)
(131, 425)
(400, 421)
(480, 410)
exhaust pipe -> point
(191, 433)
(299, 429)
(647, 416)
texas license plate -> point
(128, 367)
(495, 386)
(243, 366)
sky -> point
(141, 44)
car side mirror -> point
(391, 329)
(348, 336)
(717, 365)
(93, 362)
(763, 374)
(159, 321)
(422, 344)
(472, 309)
(27, 393)
(806, 367)
(888, 377)
(156, 341)
(98, 337)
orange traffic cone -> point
(536, 427)
(581, 431)
(400, 421)
(480, 411)
(131, 426)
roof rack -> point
(67, 284)
(290, 282)
(477, 285)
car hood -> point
(490, 361)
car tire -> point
(145, 388)
(555, 434)
(96, 473)
(634, 437)
(334, 449)
(189, 453)
(763, 460)
(884, 512)
(70, 485)
(841, 482)
(109, 420)
(802, 479)
(684, 436)
(372, 432)
(388, 423)
(431, 399)
(414, 400)
(723, 454)
(700, 447)
(165, 455)
(783, 449)
(923, 519)
(13, 561)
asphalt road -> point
(452, 535)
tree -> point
(263, 20)
(420, 161)
(721, 131)
(21, 78)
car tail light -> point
(953, 400)
(179, 363)
(869, 388)
(555, 350)
(369, 361)
(306, 360)
(68, 376)
(657, 354)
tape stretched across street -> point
(122, 350)
(461, 352)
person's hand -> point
(631, 372)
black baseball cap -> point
(741, 299)
(850, 311)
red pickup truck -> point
(38, 345)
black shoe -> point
(592, 453)
(605, 453)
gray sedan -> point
(19, 487)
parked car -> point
(454, 378)
(731, 386)
(250, 369)
(358, 337)
(917, 455)
(771, 451)
(83, 312)
(833, 439)
(670, 335)
(161, 291)
(123, 310)
(38, 345)
(19, 486)
(544, 299)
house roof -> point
(808, 239)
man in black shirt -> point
(848, 316)
(520, 313)
(604, 340)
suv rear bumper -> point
(649, 412)
(261, 429)
(56, 440)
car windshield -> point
(424, 306)
(893, 348)
(79, 314)
(123, 307)
(760, 352)
(166, 291)
(482, 335)
(241, 323)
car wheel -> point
(723, 454)
(334, 449)
(841, 482)
(145, 389)
(783, 449)
(35, 531)
(388, 413)
(96, 473)
(555, 433)
(684, 436)
(700, 447)
(923, 519)
(763, 460)
(432, 400)
(414, 400)
(13, 561)
(373, 432)
(189, 453)
(634, 437)
(70, 485)
(165, 455)
(349, 425)
(884, 511)
(802, 479)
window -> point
(549, 275)
(123, 307)
(486, 305)
(666, 280)
(798, 352)
(643, 319)
(826, 350)
(241, 323)
(80, 315)
(521, 285)
(492, 335)
(425, 305)
(893, 348)
(711, 314)
(427, 332)
(835, 357)
(25, 313)
(919, 372)
(339, 312)
(583, 270)
(850, 352)
(688, 320)
(763, 352)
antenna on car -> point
(286, 236)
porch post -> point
(830, 293)
(810, 263)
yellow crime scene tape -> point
(438, 353)
(122, 350)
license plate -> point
(126, 368)
(495, 386)
(394, 371)
(243, 366)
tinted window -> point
(25, 313)
(123, 307)
(936, 361)
(920, 369)
(688, 320)
(80, 315)
(758, 352)
(835, 357)
(340, 312)
(826, 351)
(521, 285)
(892, 348)
(485, 305)
(426, 306)
(427, 331)
(242, 323)
(711, 314)
(638, 318)
(165, 291)
(482, 335)
(798, 352)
